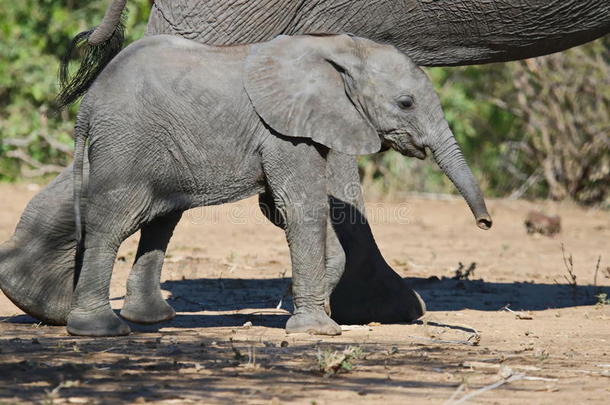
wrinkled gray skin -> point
(173, 124)
(431, 32)
(36, 264)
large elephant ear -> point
(300, 86)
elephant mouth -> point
(407, 148)
(416, 151)
(412, 150)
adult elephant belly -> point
(222, 22)
(432, 33)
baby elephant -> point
(173, 124)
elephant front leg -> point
(306, 237)
(334, 254)
(299, 193)
(143, 300)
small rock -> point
(537, 222)
(284, 343)
(247, 325)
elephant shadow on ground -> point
(446, 294)
(234, 301)
(228, 302)
(264, 302)
(231, 302)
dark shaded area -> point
(185, 365)
(228, 294)
(448, 294)
(369, 289)
(444, 294)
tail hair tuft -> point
(95, 58)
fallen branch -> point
(518, 314)
(483, 364)
(473, 340)
(510, 378)
(355, 327)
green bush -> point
(34, 140)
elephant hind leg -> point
(111, 217)
(91, 314)
(143, 301)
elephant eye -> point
(405, 102)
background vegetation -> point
(538, 128)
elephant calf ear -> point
(296, 87)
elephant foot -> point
(147, 311)
(314, 322)
(96, 323)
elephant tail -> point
(97, 54)
(112, 20)
(81, 132)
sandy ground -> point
(227, 266)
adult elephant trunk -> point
(450, 159)
(111, 20)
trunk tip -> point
(484, 222)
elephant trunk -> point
(111, 19)
(450, 159)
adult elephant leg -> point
(37, 262)
(143, 300)
(369, 290)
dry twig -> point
(473, 340)
(518, 314)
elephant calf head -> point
(355, 96)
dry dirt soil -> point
(227, 267)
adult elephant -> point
(36, 264)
